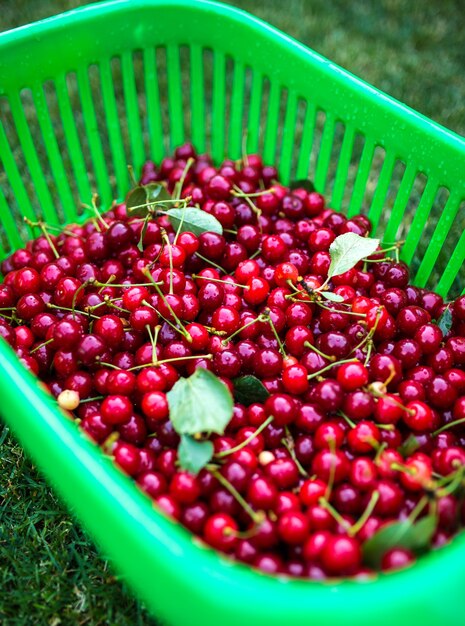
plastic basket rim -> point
(429, 564)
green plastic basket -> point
(85, 93)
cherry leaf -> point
(416, 537)
(199, 404)
(445, 321)
(194, 220)
(138, 200)
(303, 183)
(409, 446)
(333, 297)
(249, 389)
(194, 455)
(347, 250)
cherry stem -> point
(347, 419)
(323, 502)
(49, 305)
(218, 280)
(111, 366)
(393, 400)
(58, 229)
(368, 338)
(355, 528)
(288, 443)
(449, 425)
(256, 517)
(108, 302)
(180, 184)
(164, 236)
(256, 194)
(246, 197)
(210, 262)
(275, 333)
(182, 330)
(328, 367)
(81, 287)
(41, 345)
(418, 509)
(98, 215)
(323, 306)
(131, 176)
(109, 283)
(332, 469)
(107, 445)
(246, 442)
(400, 467)
(173, 360)
(49, 241)
(260, 318)
(150, 203)
(328, 357)
(124, 286)
(91, 399)
(153, 341)
(455, 483)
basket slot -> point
(55, 158)
(455, 262)
(32, 159)
(400, 203)
(271, 123)
(22, 207)
(93, 137)
(237, 111)
(9, 233)
(111, 116)
(421, 216)
(379, 198)
(218, 107)
(324, 154)
(173, 69)
(207, 62)
(436, 243)
(197, 101)
(132, 110)
(309, 121)
(253, 124)
(361, 178)
(72, 140)
(185, 55)
(152, 94)
(289, 136)
(343, 164)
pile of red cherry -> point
(352, 434)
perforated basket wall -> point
(83, 95)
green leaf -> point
(135, 198)
(138, 200)
(445, 321)
(140, 245)
(347, 250)
(416, 537)
(409, 446)
(199, 404)
(333, 297)
(248, 389)
(303, 183)
(422, 532)
(194, 455)
(194, 220)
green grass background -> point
(50, 573)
